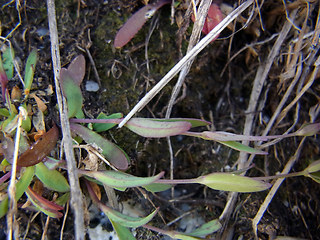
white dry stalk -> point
(11, 220)
(188, 57)
(76, 195)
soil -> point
(218, 96)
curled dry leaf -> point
(40, 149)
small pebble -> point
(92, 86)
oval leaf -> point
(29, 71)
(135, 23)
(242, 148)
(226, 136)
(148, 127)
(125, 220)
(40, 149)
(115, 155)
(157, 187)
(8, 58)
(52, 179)
(232, 182)
(77, 69)
(101, 127)
(120, 179)
(71, 90)
(313, 167)
(123, 233)
(206, 229)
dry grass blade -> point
(187, 58)
(76, 195)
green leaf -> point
(232, 182)
(315, 176)
(8, 58)
(62, 200)
(157, 187)
(123, 233)
(24, 181)
(148, 127)
(114, 154)
(242, 148)
(120, 179)
(313, 167)
(47, 207)
(180, 236)
(125, 220)
(21, 186)
(52, 179)
(29, 71)
(206, 229)
(101, 127)
(72, 92)
(4, 112)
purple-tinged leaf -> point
(3, 80)
(114, 154)
(120, 179)
(77, 69)
(308, 130)
(40, 149)
(232, 182)
(47, 207)
(226, 136)
(148, 127)
(135, 23)
(71, 90)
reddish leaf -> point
(214, 17)
(77, 69)
(135, 23)
(48, 207)
(3, 79)
(40, 149)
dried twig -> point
(76, 195)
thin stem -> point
(176, 181)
